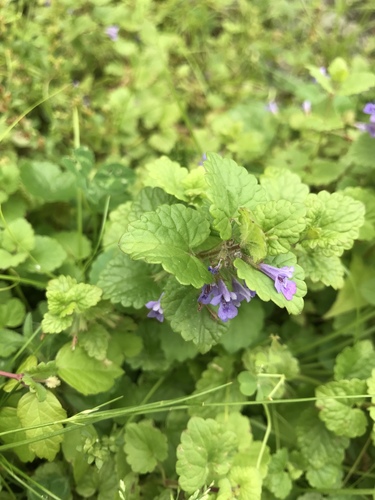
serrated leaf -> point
(16, 241)
(46, 256)
(116, 225)
(333, 222)
(9, 179)
(252, 237)
(230, 187)
(46, 180)
(367, 197)
(322, 79)
(167, 237)
(282, 184)
(329, 476)
(240, 425)
(278, 480)
(318, 445)
(337, 412)
(219, 372)
(56, 324)
(10, 422)
(86, 375)
(318, 267)
(250, 458)
(264, 286)
(244, 482)
(32, 412)
(127, 282)
(180, 305)
(355, 362)
(204, 453)
(167, 175)
(357, 83)
(145, 446)
(282, 223)
(148, 200)
(362, 151)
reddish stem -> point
(17, 376)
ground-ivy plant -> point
(187, 227)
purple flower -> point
(369, 108)
(272, 107)
(204, 158)
(306, 107)
(281, 277)
(242, 291)
(323, 71)
(112, 32)
(156, 309)
(208, 293)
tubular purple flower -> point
(243, 292)
(208, 293)
(281, 277)
(273, 107)
(366, 127)
(223, 294)
(112, 32)
(227, 310)
(156, 309)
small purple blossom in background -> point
(366, 127)
(281, 277)
(112, 32)
(204, 158)
(243, 292)
(306, 107)
(323, 71)
(156, 309)
(369, 108)
(272, 107)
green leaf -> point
(12, 313)
(95, 341)
(362, 151)
(10, 422)
(253, 238)
(204, 454)
(336, 410)
(333, 222)
(355, 362)
(243, 482)
(282, 184)
(46, 256)
(367, 197)
(52, 477)
(238, 334)
(278, 480)
(250, 458)
(330, 476)
(9, 179)
(265, 287)
(116, 225)
(230, 187)
(323, 80)
(319, 267)
(76, 245)
(32, 412)
(181, 310)
(371, 385)
(167, 175)
(145, 446)
(46, 180)
(10, 342)
(357, 83)
(16, 241)
(240, 425)
(248, 383)
(219, 371)
(86, 375)
(175, 347)
(282, 223)
(127, 282)
(148, 200)
(167, 237)
(338, 70)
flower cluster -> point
(228, 302)
(369, 109)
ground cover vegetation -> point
(187, 229)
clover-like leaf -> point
(145, 446)
(336, 410)
(32, 412)
(16, 241)
(204, 454)
(230, 187)
(167, 237)
(264, 286)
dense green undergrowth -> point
(187, 228)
